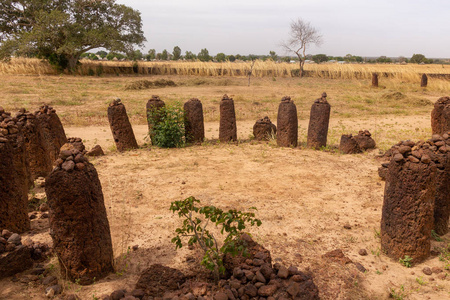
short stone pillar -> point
(287, 123)
(408, 206)
(13, 196)
(349, 145)
(264, 129)
(121, 127)
(53, 130)
(78, 222)
(424, 80)
(37, 152)
(440, 116)
(227, 127)
(154, 114)
(374, 80)
(318, 123)
(365, 140)
(193, 121)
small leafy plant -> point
(167, 125)
(407, 261)
(195, 221)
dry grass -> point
(408, 73)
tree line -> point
(204, 55)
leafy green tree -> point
(383, 59)
(61, 30)
(151, 55)
(318, 58)
(273, 55)
(135, 55)
(102, 53)
(176, 54)
(238, 56)
(92, 56)
(231, 58)
(220, 57)
(165, 55)
(420, 58)
(203, 55)
(189, 55)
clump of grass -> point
(146, 84)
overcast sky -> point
(358, 27)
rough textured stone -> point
(408, 206)
(263, 129)
(37, 149)
(424, 80)
(287, 123)
(16, 261)
(231, 262)
(121, 127)
(78, 223)
(440, 116)
(348, 145)
(227, 128)
(193, 124)
(374, 80)
(53, 130)
(365, 140)
(13, 193)
(96, 151)
(154, 114)
(158, 279)
(319, 119)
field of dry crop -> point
(304, 197)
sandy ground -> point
(304, 199)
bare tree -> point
(302, 35)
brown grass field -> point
(304, 197)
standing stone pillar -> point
(263, 129)
(439, 153)
(36, 147)
(193, 122)
(408, 206)
(53, 131)
(374, 80)
(12, 130)
(78, 222)
(424, 80)
(287, 123)
(154, 114)
(121, 127)
(318, 123)
(440, 116)
(13, 197)
(227, 127)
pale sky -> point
(359, 27)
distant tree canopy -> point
(203, 55)
(176, 54)
(61, 30)
(220, 57)
(318, 58)
(190, 56)
(420, 58)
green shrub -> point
(195, 220)
(167, 126)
